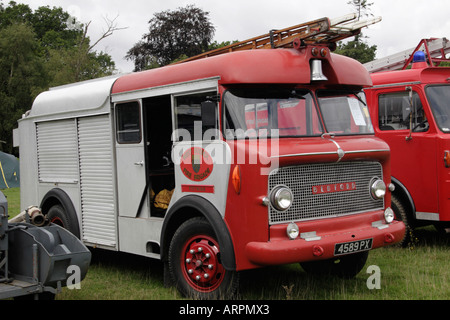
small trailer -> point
(36, 262)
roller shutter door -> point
(97, 180)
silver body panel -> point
(67, 141)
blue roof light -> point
(419, 56)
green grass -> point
(13, 197)
(420, 273)
(417, 273)
(118, 276)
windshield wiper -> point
(359, 99)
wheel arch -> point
(194, 206)
(403, 195)
(60, 197)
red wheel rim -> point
(200, 263)
(58, 221)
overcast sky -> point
(404, 24)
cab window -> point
(396, 112)
(195, 114)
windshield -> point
(345, 112)
(270, 112)
(439, 99)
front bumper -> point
(318, 239)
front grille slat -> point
(308, 206)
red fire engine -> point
(409, 108)
(219, 164)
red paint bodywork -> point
(273, 66)
(255, 242)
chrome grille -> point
(307, 205)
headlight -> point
(377, 188)
(281, 198)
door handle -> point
(140, 163)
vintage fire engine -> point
(409, 108)
(228, 162)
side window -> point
(394, 112)
(195, 114)
(128, 122)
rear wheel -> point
(195, 263)
(57, 215)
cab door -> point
(130, 158)
(413, 152)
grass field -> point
(420, 273)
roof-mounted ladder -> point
(317, 31)
(435, 50)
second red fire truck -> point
(409, 108)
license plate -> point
(353, 246)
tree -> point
(186, 31)
(14, 13)
(78, 62)
(22, 76)
(50, 26)
(358, 48)
(39, 49)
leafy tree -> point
(22, 76)
(39, 49)
(216, 45)
(172, 34)
(358, 50)
(50, 26)
(14, 13)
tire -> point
(347, 266)
(401, 215)
(195, 266)
(57, 215)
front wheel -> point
(195, 263)
(401, 215)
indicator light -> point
(447, 158)
(236, 179)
